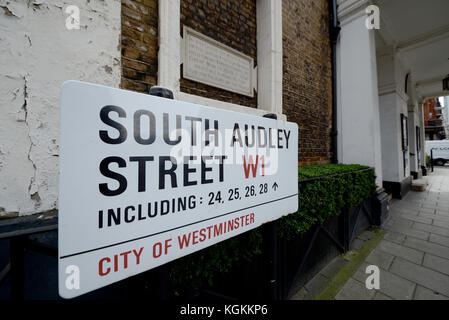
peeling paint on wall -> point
(38, 54)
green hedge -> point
(324, 191)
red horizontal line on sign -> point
(186, 225)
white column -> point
(357, 94)
(412, 123)
(269, 55)
(392, 155)
(423, 132)
(169, 56)
(393, 102)
(415, 121)
(414, 113)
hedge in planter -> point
(324, 191)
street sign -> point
(145, 180)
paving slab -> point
(334, 267)
(381, 296)
(406, 210)
(442, 213)
(401, 204)
(357, 244)
(425, 210)
(444, 205)
(395, 237)
(426, 294)
(300, 295)
(398, 250)
(367, 235)
(408, 231)
(354, 290)
(360, 275)
(422, 227)
(430, 206)
(394, 221)
(442, 224)
(416, 200)
(416, 218)
(423, 276)
(436, 263)
(429, 203)
(380, 258)
(429, 247)
(437, 217)
(396, 287)
(390, 284)
(435, 238)
(317, 284)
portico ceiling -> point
(418, 30)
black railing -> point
(18, 231)
(339, 231)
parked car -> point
(440, 151)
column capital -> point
(349, 10)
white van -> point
(440, 151)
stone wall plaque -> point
(213, 63)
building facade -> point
(137, 44)
(356, 92)
(384, 75)
(434, 122)
(39, 51)
(446, 115)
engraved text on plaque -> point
(210, 62)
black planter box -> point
(380, 207)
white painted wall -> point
(391, 142)
(392, 103)
(37, 55)
(402, 109)
(357, 94)
(423, 134)
(414, 121)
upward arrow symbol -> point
(275, 186)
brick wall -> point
(307, 73)
(429, 107)
(231, 22)
(307, 78)
(139, 39)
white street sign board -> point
(145, 180)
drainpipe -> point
(334, 31)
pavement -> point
(413, 256)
